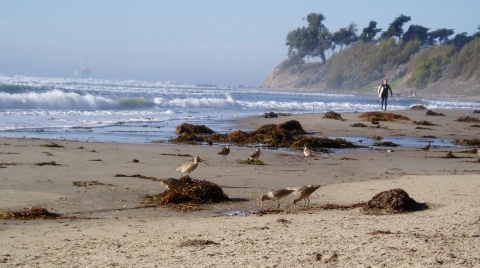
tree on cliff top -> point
(396, 27)
(310, 41)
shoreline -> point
(374, 93)
(110, 229)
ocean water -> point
(141, 112)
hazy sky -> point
(188, 41)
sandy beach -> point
(107, 226)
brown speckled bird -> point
(307, 152)
(303, 192)
(224, 152)
(255, 155)
(426, 149)
(275, 194)
(171, 183)
(190, 166)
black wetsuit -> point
(384, 96)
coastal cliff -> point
(360, 68)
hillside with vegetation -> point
(418, 60)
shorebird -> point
(276, 194)
(303, 192)
(224, 152)
(426, 149)
(255, 155)
(190, 166)
(478, 151)
(307, 152)
(171, 183)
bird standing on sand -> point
(224, 152)
(478, 152)
(171, 183)
(190, 166)
(426, 149)
(255, 155)
(307, 152)
(303, 192)
(276, 194)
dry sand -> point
(111, 230)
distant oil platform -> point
(83, 72)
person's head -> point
(385, 81)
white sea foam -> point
(54, 99)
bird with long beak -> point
(275, 194)
(255, 155)
(190, 166)
(303, 192)
(224, 152)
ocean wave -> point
(204, 102)
(54, 99)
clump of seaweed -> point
(467, 142)
(380, 116)
(323, 142)
(281, 135)
(88, 183)
(192, 129)
(251, 161)
(418, 107)
(424, 123)
(198, 242)
(138, 176)
(32, 213)
(286, 135)
(292, 126)
(386, 144)
(270, 115)
(468, 119)
(188, 197)
(388, 202)
(52, 145)
(50, 163)
(392, 201)
(358, 125)
(9, 164)
(449, 155)
(430, 112)
(332, 115)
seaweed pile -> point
(32, 213)
(332, 115)
(467, 142)
(380, 116)
(385, 144)
(189, 195)
(388, 202)
(392, 201)
(468, 119)
(285, 135)
(418, 107)
(191, 129)
(430, 112)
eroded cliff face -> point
(309, 77)
(295, 77)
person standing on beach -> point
(383, 93)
